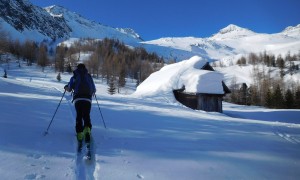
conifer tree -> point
(269, 99)
(5, 74)
(289, 99)
(122, 75)
(281, 64)
(58, 77)
(112, 86)
(297, 98)
(278, 98)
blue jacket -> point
(72, 85)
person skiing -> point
(83, 87)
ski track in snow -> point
(84, 168)
(287, 137)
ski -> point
(79, 147)
(89, 150)
(85, 150)
(88, 155)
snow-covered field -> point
(151, 138)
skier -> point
(84, 88)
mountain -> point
(229, 43)
(83, 28)
(232, 32)
(292, 31)
(21, 18)
(25, 21)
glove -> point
(66, 87)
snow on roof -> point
(186, 73)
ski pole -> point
(100, 111)
(46, 132)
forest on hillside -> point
(110, 60)
(268, 88)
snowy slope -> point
(152, 138)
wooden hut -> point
(202, 101)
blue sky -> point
(153, 19)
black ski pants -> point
(83, 109)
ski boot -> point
(80, 139)
(87, 134)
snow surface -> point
(147, 138)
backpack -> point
(83, 85)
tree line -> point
(268, 86)
(28, 51)
(108, 59)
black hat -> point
(81, 66)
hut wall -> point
(189, 100)
(210, 103)
(205, 102)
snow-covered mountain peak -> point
(54, 11)
(292, 28)
(230, 28)
(60, 11)
(292, 31)
(233, 32)
(130, 32)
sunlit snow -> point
(147, 138)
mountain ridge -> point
(56, 23)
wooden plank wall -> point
(206, 102)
